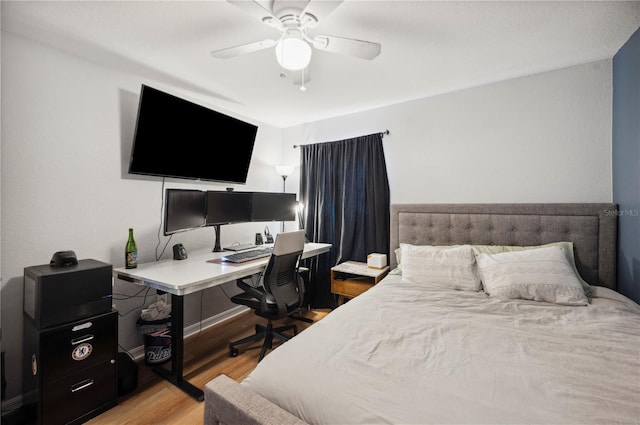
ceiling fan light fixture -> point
(293, 53)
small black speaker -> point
(179, 252)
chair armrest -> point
(256, 292)
(251, 290)
(228, 403)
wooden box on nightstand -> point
(352, 278)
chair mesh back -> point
(281, 281)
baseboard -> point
(14, 412)
(12, 404)
(214, 320)
(138, 352)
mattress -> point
(409, 353)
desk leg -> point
(177, 351)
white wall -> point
(540, 138)
(67, 129)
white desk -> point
(183, 277)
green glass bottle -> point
(131, 252)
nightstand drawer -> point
(349, 288)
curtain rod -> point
(382, 134)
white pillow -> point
(452, 267)
(398, 269)
(541, 274)
(567, 247)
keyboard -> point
(252, 254)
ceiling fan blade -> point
(319, 9)
(281, 7)
(347, 46)
(258, 11)
(243, 49)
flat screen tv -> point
(185, 209)
(181, 139)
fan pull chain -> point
(302, 87)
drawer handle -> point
(81, 385)
(82, 326)
(82, 339)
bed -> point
(457, 334)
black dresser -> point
(70, 369)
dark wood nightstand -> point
(352, 278)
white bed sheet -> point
(405, 353)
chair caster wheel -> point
(233, 352)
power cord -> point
(162, 200)
(146, 290)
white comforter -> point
(405, 353)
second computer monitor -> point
(273, 206)
(224, 207)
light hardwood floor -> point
(206, 355)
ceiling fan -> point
(293, 19)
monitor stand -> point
(216, 246)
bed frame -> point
(592, 227)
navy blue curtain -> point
(345, 191)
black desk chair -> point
(305, 274)
(281, 292)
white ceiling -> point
(428, 47)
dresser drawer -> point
(77, 397)
(68, 348)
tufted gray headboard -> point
(592, 227)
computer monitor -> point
(185, 209)
(273, 206)
(228, 207)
